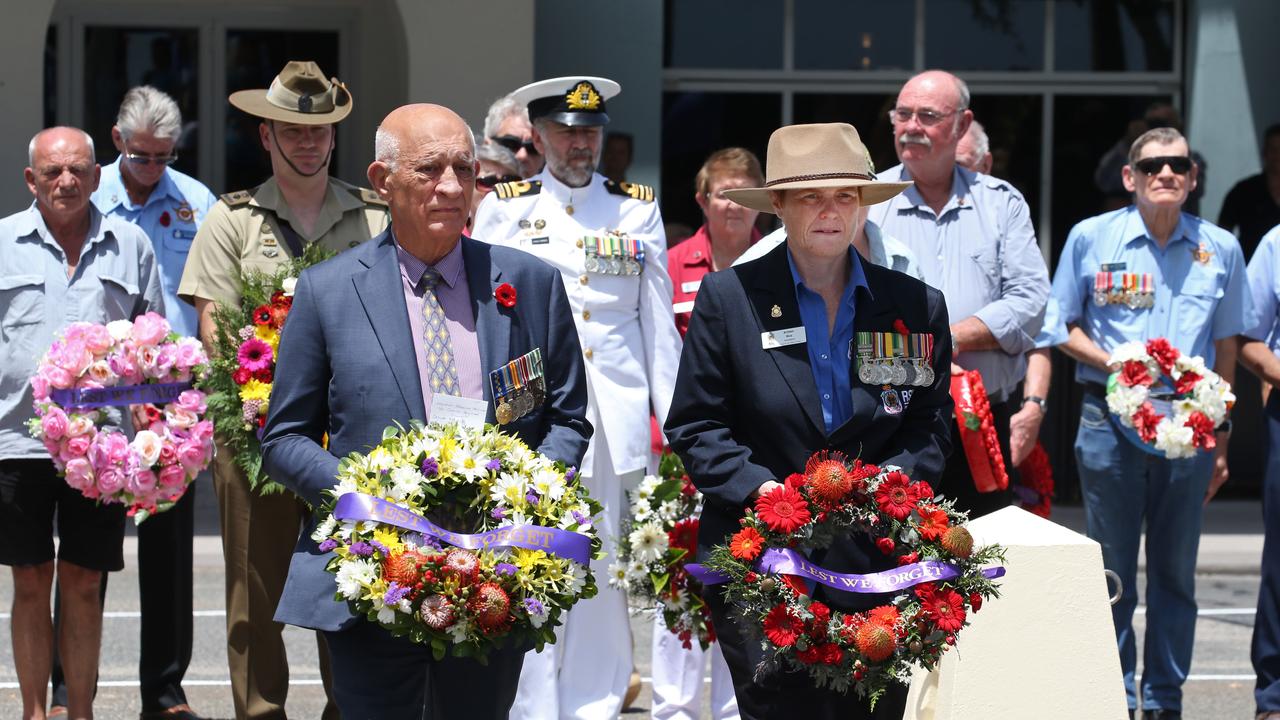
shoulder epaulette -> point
(635, 191)
(522, 188)
(369, 197)
(239, 197)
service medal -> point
(503, 412)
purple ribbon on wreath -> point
(558, 542)
(154, 393)
(783, 561)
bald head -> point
(940, 85)
(62, 174)
(55, 136)
(425, 168)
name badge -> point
(683, 307)
(541, 240)
(690, 286)
(782, 338)
(466, 412)
(183, 234)
(1114, 267)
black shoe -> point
(1131, 713)
(1161, 715)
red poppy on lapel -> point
(900, 327)
(505, 295)
(164, 218)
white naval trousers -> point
(584, 675)
(678, 674)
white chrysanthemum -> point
(643, 513)
(406, 483)
(508, 490)
(1125, 401)
(1128, 351)
(648, 486)
(548, 483)
(577, 578)
(618, 577)
(637, 572)
(1193, 363)
(469, 463)
(353, 575)
(676, 603)
(325, 528)
(648, 542)
(346, 484)
(669, 511)
(1174, 440)
(380, 459)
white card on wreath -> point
(466, 412)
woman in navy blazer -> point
(768, 376)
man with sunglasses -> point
(973, 238)
(263, 229)
(507, 124)
(1180, 278)
(607, 241)
(168, 205)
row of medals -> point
(1134, 299)
(520, 401)
(895, 371)
(612, 264)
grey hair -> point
(962, 90)
(386, 146)
(981, 143)
(31, 146)
(501, 109)
(1161, 135)
(495, 153)
(146, 108)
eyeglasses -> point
(1179, 164)
(139, 159)
(490, 181)
(926, 117)
(515, 144)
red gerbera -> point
(1165, 354)
(783, 510)
(746, 544)
(241, 376)
(781, 627)
(262, 315)
(1186, 383)
(894, 496)
(1135, 373)
(505, 294)
(684, 535)
(933, 522)
(1145, 422)
(1202, 426)
(946, 609)
(278, 315)
(264, 375)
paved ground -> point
(1220, 686)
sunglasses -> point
(139, 159)
(515, 144)
(490, 181)
(1179, 164)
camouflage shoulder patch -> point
(239, 197)
(369, 197)
(523, 188)
(635, 191)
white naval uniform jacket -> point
(625, 322)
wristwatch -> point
(1225, 427)
(1044, 405)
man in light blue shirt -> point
(61, 261)
(973, 238)
(141, 188)
(1261, 354)
(1183, 279)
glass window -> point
(51, 77)
(1113, 35)
(868, 113)
(254, 57)
(1013, 125)
(739, 34)
(984, 34)
(854, 36)
(696, 124)
(116, 59)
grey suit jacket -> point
(347, 368)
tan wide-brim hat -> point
(827, 155)
(300, 94)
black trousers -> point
(957, 482)
(787, 694)
(165, 594)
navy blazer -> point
(347, 368)
(743, 415)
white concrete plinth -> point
(1045, 649)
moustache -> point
(907, 138)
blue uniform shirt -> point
(115, 279)
(829, 352)
(1264, 287)
(170, 218)
(981, 252)
(1200, 291)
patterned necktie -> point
(441, 371)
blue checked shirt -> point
(170, 218)
(116, 279)
(981, 252)
(1264, 287)
(829, 352)
(1201, 292)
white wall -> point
(21, 94)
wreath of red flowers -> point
(978, 432)
(939, 582)
(505, 294)
(1034, 491)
